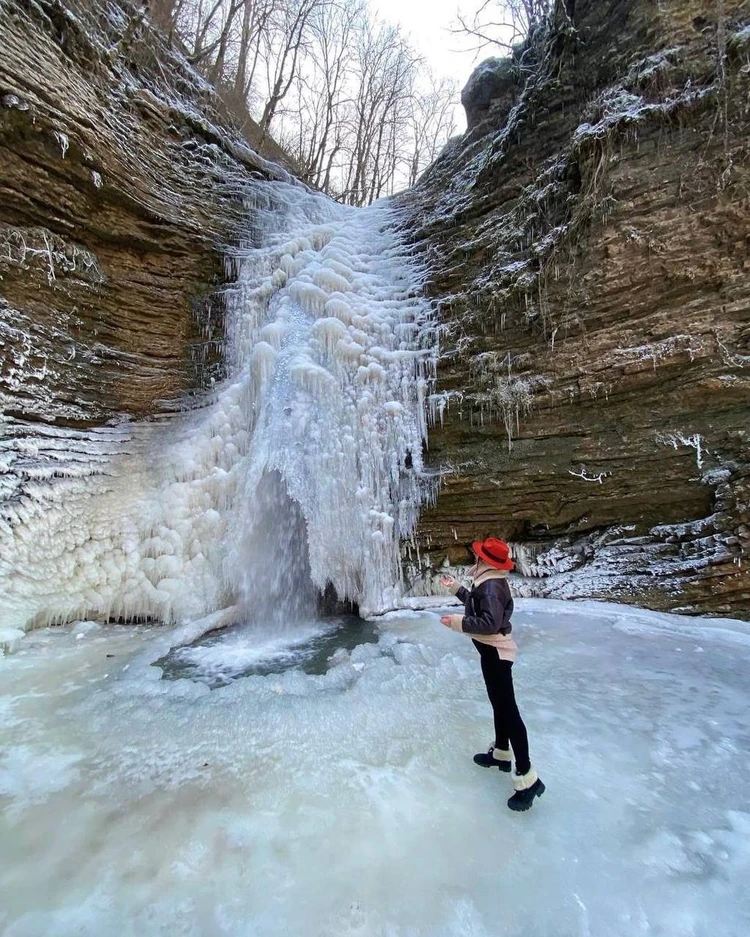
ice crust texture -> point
(304, 467)
(347, 803)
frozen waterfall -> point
(303, 468)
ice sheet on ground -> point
(347, 803)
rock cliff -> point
(118, 181)
(589, 242)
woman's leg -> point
(516, 728)
(487, 654)
(509, 726)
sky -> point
(428, 24)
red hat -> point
(494, 552)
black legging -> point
(509, 727)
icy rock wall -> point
(120, 177)
(588, 243)
(331, 356)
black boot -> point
(528, 786)
(494, 758)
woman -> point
(486, 619)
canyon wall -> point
(118, 181)
(589, 241)
(121, 185)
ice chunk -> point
(83, 628)
(10, 639)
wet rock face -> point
(494, 85)
(116, 191)
(590, 248)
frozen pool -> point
(346, 803)
(235, 652)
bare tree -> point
(256, 20)
(432, 124)
(502, 23)
(334, 33)
(344, 94)
(311, 125)
(386, 72)
(282, 60)
(165, 14)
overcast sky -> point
(428, 24)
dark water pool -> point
(220, 657)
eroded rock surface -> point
(117, 186)
(590, 249)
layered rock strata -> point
(589, 238)
(116, 187)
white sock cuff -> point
(502, 754)
(522, 782)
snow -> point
(618, 107)
(346, 803)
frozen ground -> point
(346, 804)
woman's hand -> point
(449, 582)
(445, 620)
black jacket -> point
(487, 607)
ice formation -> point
(304, 468)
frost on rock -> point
(502, 394)
(694, 441)
(39, 247)
(583, 474)
(62, 139)
(306, 462)
(619, 107)
(655, 352)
